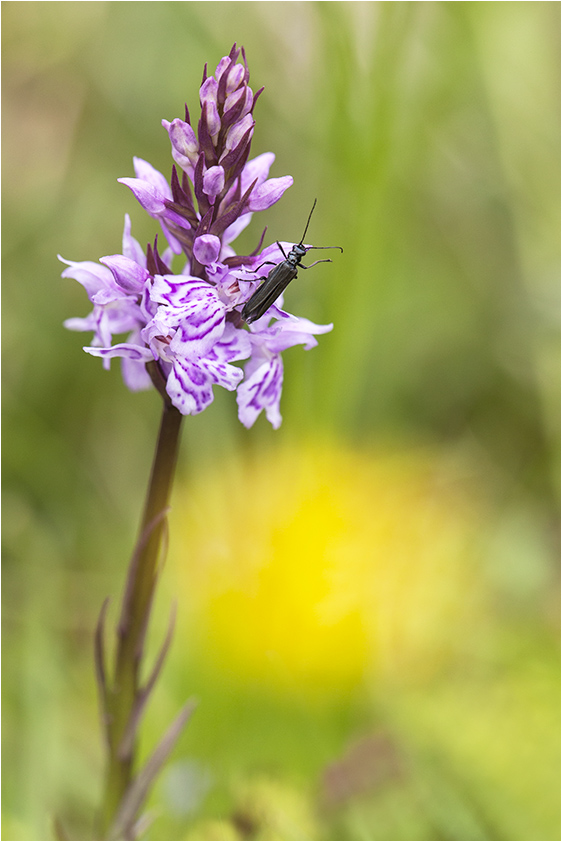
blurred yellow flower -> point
(314, 566)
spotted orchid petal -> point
(124, 349)
(190, 387)
(261, 391)
(193, 326)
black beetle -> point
(280, 276)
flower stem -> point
(124, 698)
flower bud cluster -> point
(188, 325)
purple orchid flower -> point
(188, 324)
(263, 381)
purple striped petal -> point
(124, 349)
(189, 387)
(195, 325)
(133, 352)
(233, 345)
(176, 290)
(262, 390)
(199, 328)
(223, 374)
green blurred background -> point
(368, 598)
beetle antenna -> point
(307, 223)
(326, 247)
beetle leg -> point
(281, 247)
(253, 271)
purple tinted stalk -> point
(124, 697)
